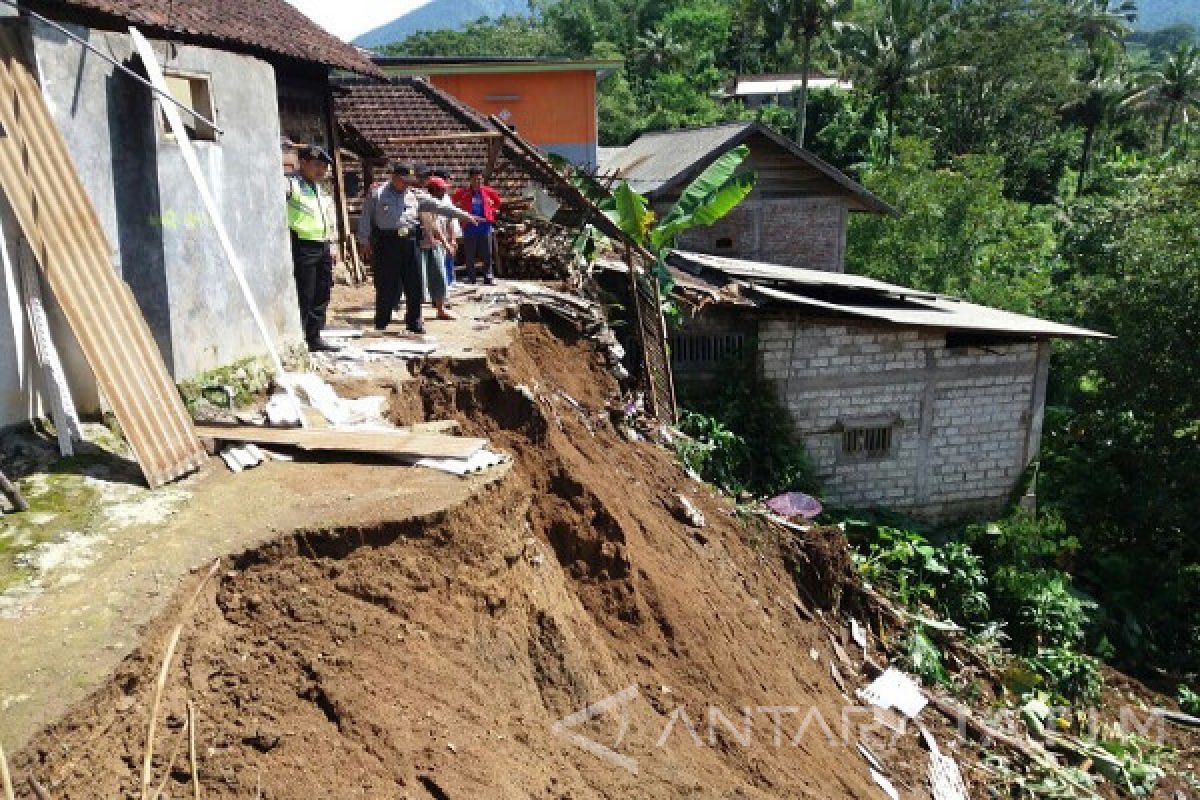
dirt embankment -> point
(432, 658)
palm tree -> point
(1101, 100)
(808, 20)
(1100, 23)
(1173, 89)
(658, 50)
(893, 51)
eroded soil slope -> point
(432, 657)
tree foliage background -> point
(1043, 157)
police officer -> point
(389, 231)
(311, 221)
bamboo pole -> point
(6, 777)
(13, 493)
(191, 724)
(161, 683)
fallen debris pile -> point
(447, 656)
(534, 249)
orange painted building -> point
(551, 103)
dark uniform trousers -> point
(397, 267)
(312, 266)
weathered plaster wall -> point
(966, 422)
(165, 245)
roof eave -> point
(865, 200)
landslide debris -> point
(432, 657)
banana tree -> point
(708, 198)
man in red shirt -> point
(482, 201)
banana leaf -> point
(712, 195)
(631, 213)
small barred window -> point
(867, 442)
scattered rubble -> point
(686, 510)
(534, 249)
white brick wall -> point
(969, 456)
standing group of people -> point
(411, 229)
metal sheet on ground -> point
(56, 216)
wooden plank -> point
(62, 407)
(341, 440)
(16, 314)
(53, 210)
(438, 138)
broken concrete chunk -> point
(687, 512)
(945, 778)
(894, 689)
(884, 784)
(283, 411)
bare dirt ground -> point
(99, 556)
(66, 636)
(432, 657)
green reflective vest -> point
(306, 210)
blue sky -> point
(349, 18)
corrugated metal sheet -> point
(56, 216)
(944, 313)
(794, 276)
(786, 85)
(871, 299)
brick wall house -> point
(902, 399)
(796, 215)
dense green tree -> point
(1172, 90)
(958, 234)
(1007, 71)
(1101, 25)
(804, 22)
(508, 36)
(1098, 104)
(1123, 446)
(656, 51)
(892, 51)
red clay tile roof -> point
(384, 113)
(272, 26)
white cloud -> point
(351, 18)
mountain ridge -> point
(1157, 14)
(455, 14)
(439, 15)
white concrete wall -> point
(164, 244)
(966, 422)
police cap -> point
(313, 153)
